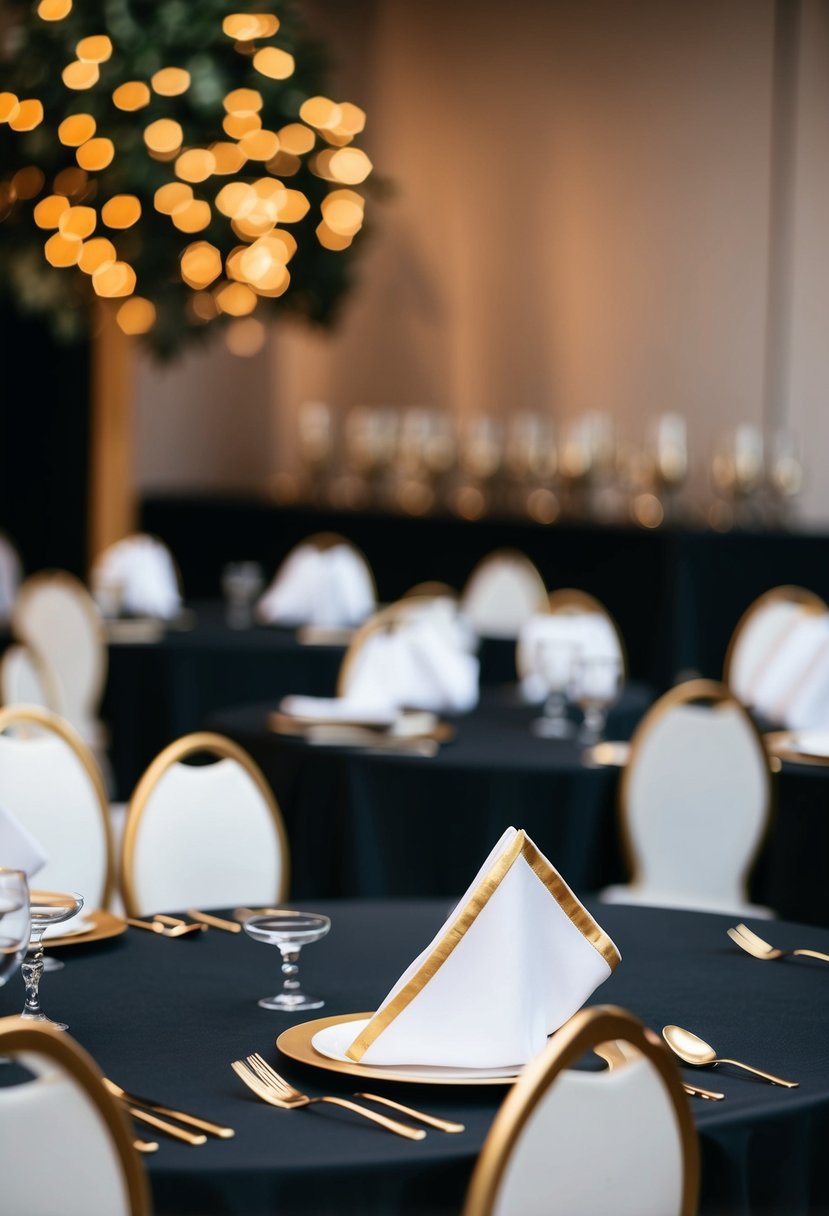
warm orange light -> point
(96, 253)
(244, 27)
(296, 138)
(96, 49)
(133, 95)
(163, 135)
(295, 207)
(170, 82)
(279, 288)
(95, 154)
(76, 130)
(245, 338)
(274, 63)
(48, 211)
(330, 239)
(236, 199)
(171, 197)
(121, 211)
(243, 101)
(71, 181)
(195, 165)
(259, 145)
(77, 223)
(349, 165)
(320, 112)
(229, 158)
(203, 306)
(233, 262)
(235, 299)
(284, 164)
(238, 125)
(352, 118)
(79, 75)
(61, 252)
(29, 115)
(9, 107)
(54, 10)
(194, 217)
(112, 280)
(28, 182)
(343, 211)
(136, 316)
(201, 264)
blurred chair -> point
(138, 576)
(694, 800)
(25, 679)
(66, 1145)
(11, 574)
(56, 616)
(50, 782)
(203, 835)
(503, 591)
(578, 1143)
(760, 631)
(324, 581)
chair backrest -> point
(580, 1142)
(57, 617)
(503, 591)
(695, 798)
(759, 631)
(202, 835)
(51, 784)
(26, 679)
(574, 617)
(11, 573)
(65, 1143)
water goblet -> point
(47, 908)
(15, 924)
(290, 931)
(554, 661)
(241, 583)
(595, 686)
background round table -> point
(165, 1018)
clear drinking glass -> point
(47, 908)
(290, 931)
(595, 686)
(241, 583)
(15, 924)
(554, 662)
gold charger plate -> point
(284, 724)
(297, 1045)
(104, 924)
(781, 744)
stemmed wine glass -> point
(47, 908)
(595, 686)
(555, 659)
(290, 931)
(14, 921)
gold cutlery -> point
(271, 1088)
(202, 1125)
(759, 948)
(614, 1055)
(442, 1125)
(696, 1052)
(215, 922)
(145, 1146)
(161, 1125)
(155, 926)
(175, 922)
(243, 914)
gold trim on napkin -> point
(555, 884)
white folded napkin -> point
(444, 615)
(516, 958)
(19, 850)
(137, 577)
(585, 634)
(792, 686)
(331, 587)
(380, 713)
(415, 665)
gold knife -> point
(169, 1129)
(216, 922)
(202, 1125)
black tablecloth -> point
(166, 1018)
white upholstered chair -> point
(65, 1144)
(50, 782)
(575, 618)
(760, 630)
(694, 802)
(26, 679)
(503, 591)
(56, 616)
(11, 574)
(202, 835)
(577, 1143)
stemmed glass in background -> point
(290, 931)
(241, 583)
(554, 662)
(47, 908)
(15, 925)
(595, 686)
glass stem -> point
(32, 970)
(290, 970)
(554, 705)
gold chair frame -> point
(18, 1036)
(200, 742)
(585, 1030)
(786, 593)
(18, 715)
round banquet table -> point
(165, 1018)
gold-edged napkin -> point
(515, 959)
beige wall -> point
(580, 220)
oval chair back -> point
(759, 631)
(503, 591)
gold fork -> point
(286, 1097)
(756, 946)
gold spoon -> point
(695, 1051)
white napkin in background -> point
(792, 686)
(313, 586)
(516, 958)
(138, 574)
(589, 634)
(18, 848)
(380, 713)
(444, 614)
(416, 665)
